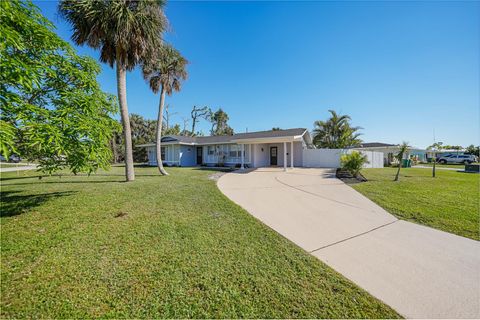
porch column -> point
(285, 156)
(243, 157)
(291, 154)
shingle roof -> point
(376, 145)
(227, 139)
(252, 135)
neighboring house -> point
(252, 149)
(390, 150)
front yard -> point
(160, 247)
(449, 202)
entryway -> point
(199, 155)
(273, 156)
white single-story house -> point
(283, 148)
(390, 150)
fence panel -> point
(330, 158)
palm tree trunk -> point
(158, 133)
(434, 162)
(399, 166)
(122, 99)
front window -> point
(234, 152)
(211, 150)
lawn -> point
(159, 247)
(449, 202)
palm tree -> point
(123, 31)
(336, 132)
(164, 71)
(403, 149)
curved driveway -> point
(419, 271)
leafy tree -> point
(52, 108)
(336, 132)
(276, 129)
(403, 149)
(220, 125)
(143, 131)
(353, 162)
(123, 31)
(198, 113)
(450, 147)
(164, 71)
(175, 130)
(471, 149)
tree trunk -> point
(434, 162)
(398, 171)
(194, 120)
(122, 99)
(158, 134)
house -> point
(251, 149)
(390, 150)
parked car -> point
(458, 158)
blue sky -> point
(399, 69)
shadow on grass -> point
(13, 204)
(39, 178)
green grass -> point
(159, 247)
(449, 202)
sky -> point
(401, 70)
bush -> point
(353, 162)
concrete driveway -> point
(419, 271)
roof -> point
(376, 145)
(231, 139)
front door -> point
(273, 156)
(199, 155)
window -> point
(211, 150)
(234, 151)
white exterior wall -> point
(261, 155)
(298, 147)
(330, 158)
(256, 155)
(262, 158)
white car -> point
(457, 158)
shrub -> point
(353, 162)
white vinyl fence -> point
(330, 158)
